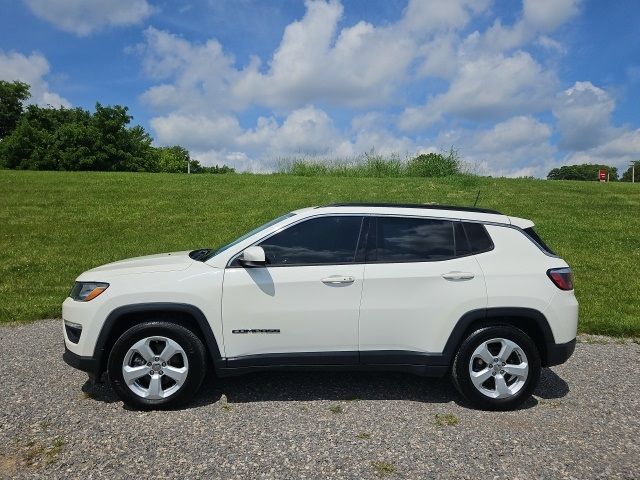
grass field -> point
(54, 225)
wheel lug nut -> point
(151, 372)
(501, 372)
(157, 358)
(148, 364)
(493, 373)
(164, 364)
(503, 364)
(495, 360)
(491, 365)
(161, 372)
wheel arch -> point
(125, 317)
(530, 321)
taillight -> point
(561, 277)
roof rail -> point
(431, 206)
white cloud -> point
(304, 131)
(362, 75)
(30, 69)
(356, 66)
(361, 65)
(315, 61)
(423, 16)
(439, 57)
(519, 146)
(547, 15)
(551, 44)
(486, 80)
(199, 75)
(488, 87)
(83, 17)
(538, 17)
(515, 133)
(583, 115)
(618, 151)
(197, 131)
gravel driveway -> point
(583, 423)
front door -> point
(302, 308)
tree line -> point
(46, 138)
(589, 172)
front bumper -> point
(86, 364)
(558, 353)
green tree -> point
(434, 165)
(12, 97)
(626, 176)
(46, 138)
(174, 160)
(584, 172)
(216, 169)
(121, 148)
(75, 139)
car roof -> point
(416, 210)
(432, 206)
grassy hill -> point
(54, 225)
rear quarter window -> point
(479, 239)
(537, 239)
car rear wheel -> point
(156, 365)
(497, 367)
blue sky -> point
(517, 87)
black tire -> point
(185, 338)
(462, 377)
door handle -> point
(338, 279)
(458, 276)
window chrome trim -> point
(371, 214)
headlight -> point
(85, 291)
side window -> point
(533, 234)
(323, 240)
(401, 239)
(479, 239)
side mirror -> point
(253, 257)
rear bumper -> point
(558, 353)
(86, 364)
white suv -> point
(427, 289)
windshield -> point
(214, 252)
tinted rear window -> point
(533, 234)
(413, 239)
(479, 238)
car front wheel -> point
(156, 365)
(497, 367)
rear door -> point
(302, 308)
(420, 278)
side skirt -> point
(417, 363)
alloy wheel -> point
(498, 368)
(155, 367)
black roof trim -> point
(415, 205)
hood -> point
(163, 262)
